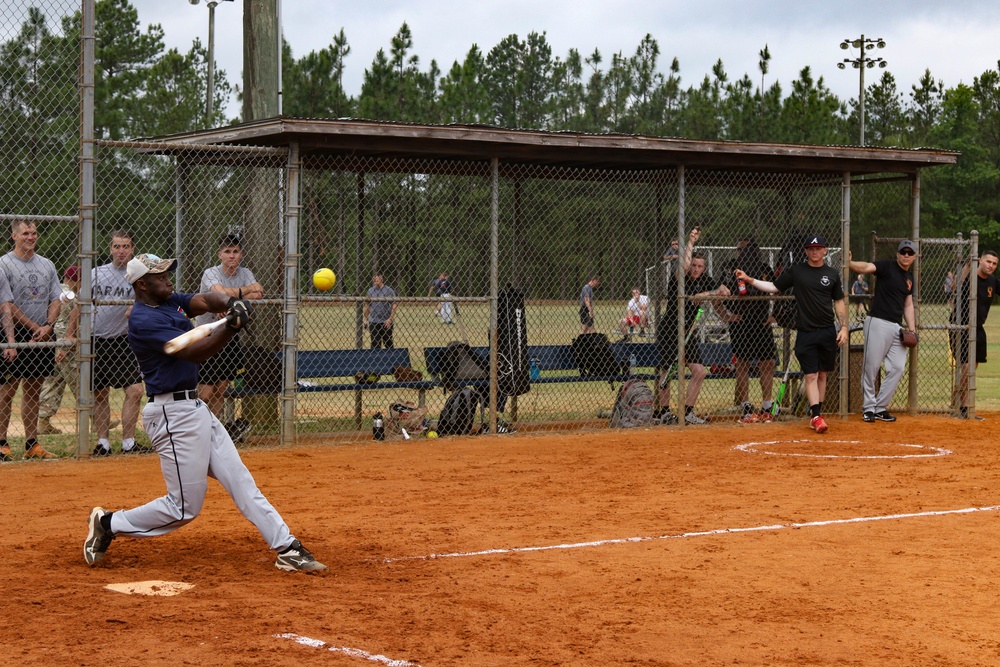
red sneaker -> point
(818, 424)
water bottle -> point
(741, 287)
(378, 427)
(534, 371)
(631, 365)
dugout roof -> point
(392, 142)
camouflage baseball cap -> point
(141, 265)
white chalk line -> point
(753, 448)
(352, 652)
(701, 533)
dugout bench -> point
(318, 371)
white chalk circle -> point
(925, 451)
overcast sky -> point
(956, 39)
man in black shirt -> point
(986, 287)
(697, 286)
(816, 285)
(893, 301)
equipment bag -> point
(633, 406)
(405, 415)
(460, 365)
(513, 370)
(459, 412)
(593, 356)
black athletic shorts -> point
(816, 350)
(960, 346)
(31, 362)
(752, 343)
(585, 317)
(667, 348)
(115, 364)
(224, 364)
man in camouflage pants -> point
(67, 369)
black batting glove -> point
(238, 313)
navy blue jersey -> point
(148, 329)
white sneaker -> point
(692, 418)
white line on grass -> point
(353, 652)
(701, 533)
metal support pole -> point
(210, 97)
(290, 336)
(494, 283)
(973, 319)
(911, 395)
(845, 274)
(88, 168)
(679, 277)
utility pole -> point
(860, 63)
(210, 95)
(261, 59)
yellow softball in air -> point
(324, 279)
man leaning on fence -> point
(893, 302)
(34, 286)
(986, 289)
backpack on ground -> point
(405, 416)
(459, 364)
(633, 406)
(593, 356)
(459, 412)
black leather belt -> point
(187, 394)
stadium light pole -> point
(860, 63)
(210, 95)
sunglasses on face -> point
(908, 253)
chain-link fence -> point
(590, 277)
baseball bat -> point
(782, 388)
(188, 337)
(687, 339)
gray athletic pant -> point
(881, 344)
(193, 445)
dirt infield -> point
(652, 547)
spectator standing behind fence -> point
(10, 353)
(235, 281)
(587, 304)
(379, 315)
(114, 364)
(673, 250)
(893, 302)
(986, 289)
(67, 366)
(859, 288)
(34, 286)
(819, 334)
(446, 287)
(750, 331)
(697, 286)
(949, 286)
(636, 315)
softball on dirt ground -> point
(432, 434)
(324, 279)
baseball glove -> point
(908, 338)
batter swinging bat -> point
(196, 334)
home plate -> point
(151, 587)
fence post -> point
(291, 308)
(87, 196)
(973, 322)
(494, 283)
(911, 402)
(845, 274)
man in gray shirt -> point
(115, 364)
(380, 314)
(35, 289)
